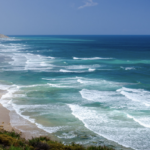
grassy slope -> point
(13, 141)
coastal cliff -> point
(3, 36)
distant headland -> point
(3, 36)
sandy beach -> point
(4, 116)
(4, 119)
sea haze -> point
(86, 89)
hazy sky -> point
(74, 17)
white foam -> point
(63, 70)
(19, 60)
(6, 99)
(80, 81)
(129, 68)
(100, 83)
(9, 48)
(37, 63)
(48, 79)
(142, 120)
(99, 96)
(43, 64)
(34, 85)
(83, 66)
(18, 109)
(91, 70)
(19, 95)
(109, 125)
(4, 87)
(138, 95)
(7, 102)
(25, 61)
(93, 58)
(51, 57)
(56, 85)
(48, 129)
(69, 135)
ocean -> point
(83, 89)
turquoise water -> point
(80, 88)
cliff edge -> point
(3, 36)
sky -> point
(75, 17)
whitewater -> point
(87, 89)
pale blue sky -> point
(100, 17)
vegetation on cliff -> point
(13, 141)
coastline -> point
(27, 129)
(4, 117)
(9, 122)
(38, 91)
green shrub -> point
(40, 143)
(13, 141)
(28, 148)
(34, 141)
(11, 133)
(20, 143)
(42, 146)
(15, 148)
(7, 140)
(99, 148)
(44, 138)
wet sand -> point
(4, 116)
(4, 119)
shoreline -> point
(4, 117)
(24, 127)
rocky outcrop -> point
(3, 36)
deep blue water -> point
(80, 88)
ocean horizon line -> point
(78, 34)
